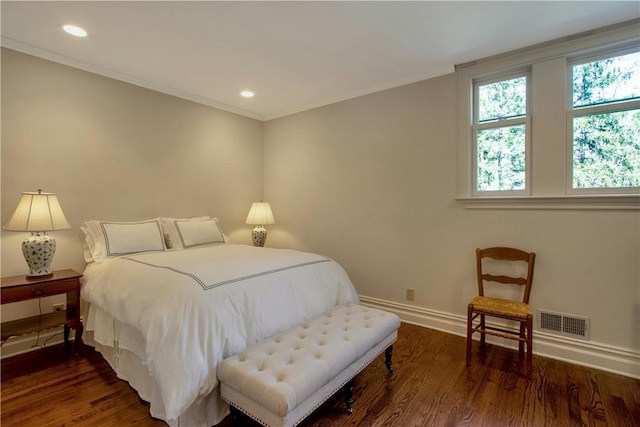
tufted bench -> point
(280, 381)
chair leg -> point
(469, 332)
(523, 336)
(482, 334)
(529, 346)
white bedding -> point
(195, 307)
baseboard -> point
(585, 353)
(26, 343)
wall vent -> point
(564, 324)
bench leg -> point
(237, 417)
(387, 359)
(348, 396)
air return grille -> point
(564, 324)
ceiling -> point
(293, 55)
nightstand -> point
(19, 288)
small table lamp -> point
(38, 212)
(259, 215)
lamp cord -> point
(44, 344)
(38, 332)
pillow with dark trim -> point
(197, 233)
(111, 239)
(171, 236)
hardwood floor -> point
(431, 386)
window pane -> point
(606, 150)
(607, 80)
(501, 100)
(501, 159)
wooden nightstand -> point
(19, 288)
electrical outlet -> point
(410, 295)
(57, 307)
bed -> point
(164, 311)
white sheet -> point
(197, 306)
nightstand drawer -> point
(38, 290)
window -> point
(554, 126)
(500, 135)
(605, 123)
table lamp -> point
(38, 213)
(259, 215)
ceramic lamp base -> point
(38, 251)
(259, 235)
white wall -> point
(372, 182)
(114, 151)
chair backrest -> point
(506, 254)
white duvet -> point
(197, 306)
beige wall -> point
(372, 181)
(114, 151)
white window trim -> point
(595, 40)
(609, 202)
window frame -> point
(476, 125)
(589, 110)
(548, 126)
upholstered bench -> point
(280, 381)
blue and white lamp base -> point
(38, 251)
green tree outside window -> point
(606, 126)
(500, 135)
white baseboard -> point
(26, 343)
(586, 353)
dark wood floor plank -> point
(431, 386)
(624, 404)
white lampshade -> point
(37, 212)
(260, 214)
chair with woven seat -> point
(520, 312)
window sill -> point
(617, 202)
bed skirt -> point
(121, 346)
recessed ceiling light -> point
(247, 94)
(75, 31)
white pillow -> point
(171, 236)
(87, 243)
(110, 239)
(196, 233)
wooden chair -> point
(521, 312)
